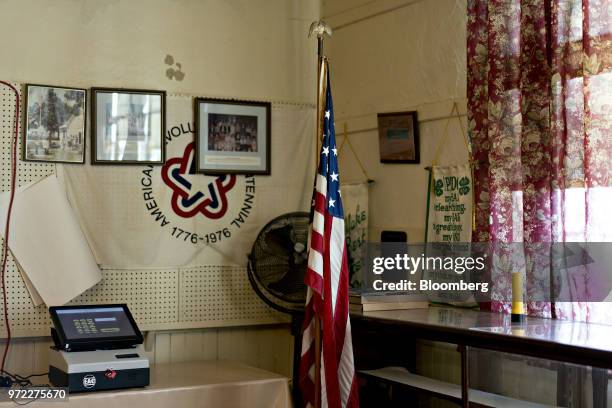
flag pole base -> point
(517, 318)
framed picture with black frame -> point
(232, 136)
(54, 124)
(128, 126)
(398, 137)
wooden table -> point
(587, 344)
(190, 385)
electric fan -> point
(278, 261)
(276, 268)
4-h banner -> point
(168, 216)
(449, 217)
(449, 220)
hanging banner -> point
(450, 204)
(167, 216)
(449, 221)
(355, 202)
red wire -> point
(8, 223)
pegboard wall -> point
(159, 299)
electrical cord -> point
(27, 377)
(14, 379)
(22, 381)
(11, 380)
(8, 379)
(8, 222)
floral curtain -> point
(540, 121)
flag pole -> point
(320, 29)
(317, 339)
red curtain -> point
(540, 121)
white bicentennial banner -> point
(142, 216)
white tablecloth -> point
(219, 384)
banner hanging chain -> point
(453, 114)
(346, 139)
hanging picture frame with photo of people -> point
(232, 137)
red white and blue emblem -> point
(188, 202)
(194, 208)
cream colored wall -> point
(267, 347)
(391, 55)
(250, 49)
(237, 48)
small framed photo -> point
(128, 126)
(54, 124)
(232, 136)
(398, 137)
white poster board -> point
(48, 244)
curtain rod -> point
(434, 119)
(377, 14)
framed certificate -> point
(398, 136)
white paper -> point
(34, 295)
(47, 242)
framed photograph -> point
(232, 136)
(398, 137)
(128, 126)
(54, 124)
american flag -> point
(327, 279)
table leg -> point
(570, 384)
(563, 385)
(465, 376)
(296, 331)
(600, 387)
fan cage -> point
(272, 259)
